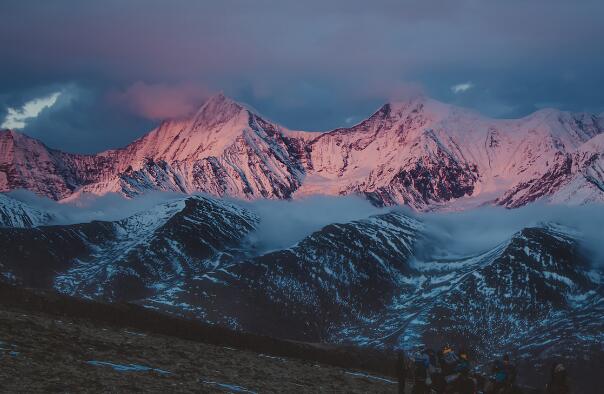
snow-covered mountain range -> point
(367, 282)
(418, 152)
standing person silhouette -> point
(401, 371)
(558, 383)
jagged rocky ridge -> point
(536, 295)
(418, 152)
(14, 213)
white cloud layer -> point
(449, 235)
(16, 118)
(462, 87)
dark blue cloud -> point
(83, 121)
(308, 65)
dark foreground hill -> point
(55, 343)
(371, 283)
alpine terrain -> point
(418, 152)
(368, 282)
(378, 282)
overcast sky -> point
(120, 66)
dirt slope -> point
(46, 352)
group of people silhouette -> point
(451, 372)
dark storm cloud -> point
(308, 65)
(83, 121)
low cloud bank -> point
(477, 230)
(284, 223)
(87, 208)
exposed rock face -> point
(420, 152)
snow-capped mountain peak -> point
(217, 109)
(418, 152)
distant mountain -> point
(536, 295)
(26, 163)
(419, 152)
(427, 154)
